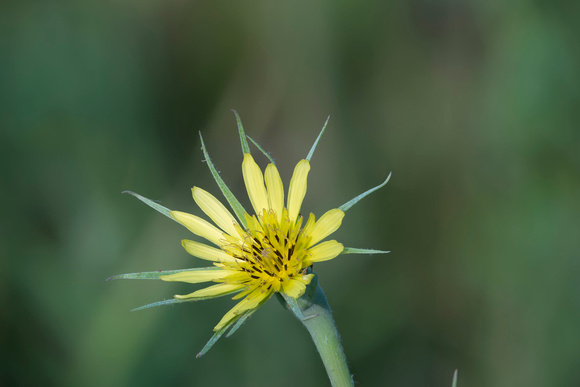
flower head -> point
(274, 250)
(256, 255)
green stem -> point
(319, 322)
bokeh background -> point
(473, 105)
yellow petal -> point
(196, 276)
(206, 252)
(212, 291)
(252, 301)
(326, 251)
(275, 190)
(309, 224)
(238, 276)
(326, 225)
(255, 184)
(215, 210)
(227, 318)
(244, 293)
(198, 226)
(297, 189)
(293, 288)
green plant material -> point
(352, 250)
(262, 150)
(320, 324)
(243, 140)
(178, 300)
(234, 203)
(454, 384)
(161, 303)
(216, 336)
(240, 321)
(234, 325)
(292, 305)
(317, 139)
(155, 274)
(354, 201)
(156, 206)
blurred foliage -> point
(473, 105)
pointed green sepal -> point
(234, 203)
(235, 324)
(156, 206)
(161, 303)
(155, 274)
(240, 321)
(354, 201)
(317, 139)
(244, 316)
(454, 384)
(262, 150)
(216, 336)
(243, 140)
(352, 250)
(293, 305)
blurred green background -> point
(473, 105)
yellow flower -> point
(256, 255)
(272, 254)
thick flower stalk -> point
(254, 256)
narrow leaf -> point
(216, 336)
(354, 201)
(179, 300)
(161, 303)
(352, 250)
(317, 139)
(242, 319)
(262, 150)
(454, 379)
(156, 206)
(155, 274)
(243, 140)
(293, 305)
(234, 203)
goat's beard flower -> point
(256, 255)
(272, 254)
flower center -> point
(270, 251)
